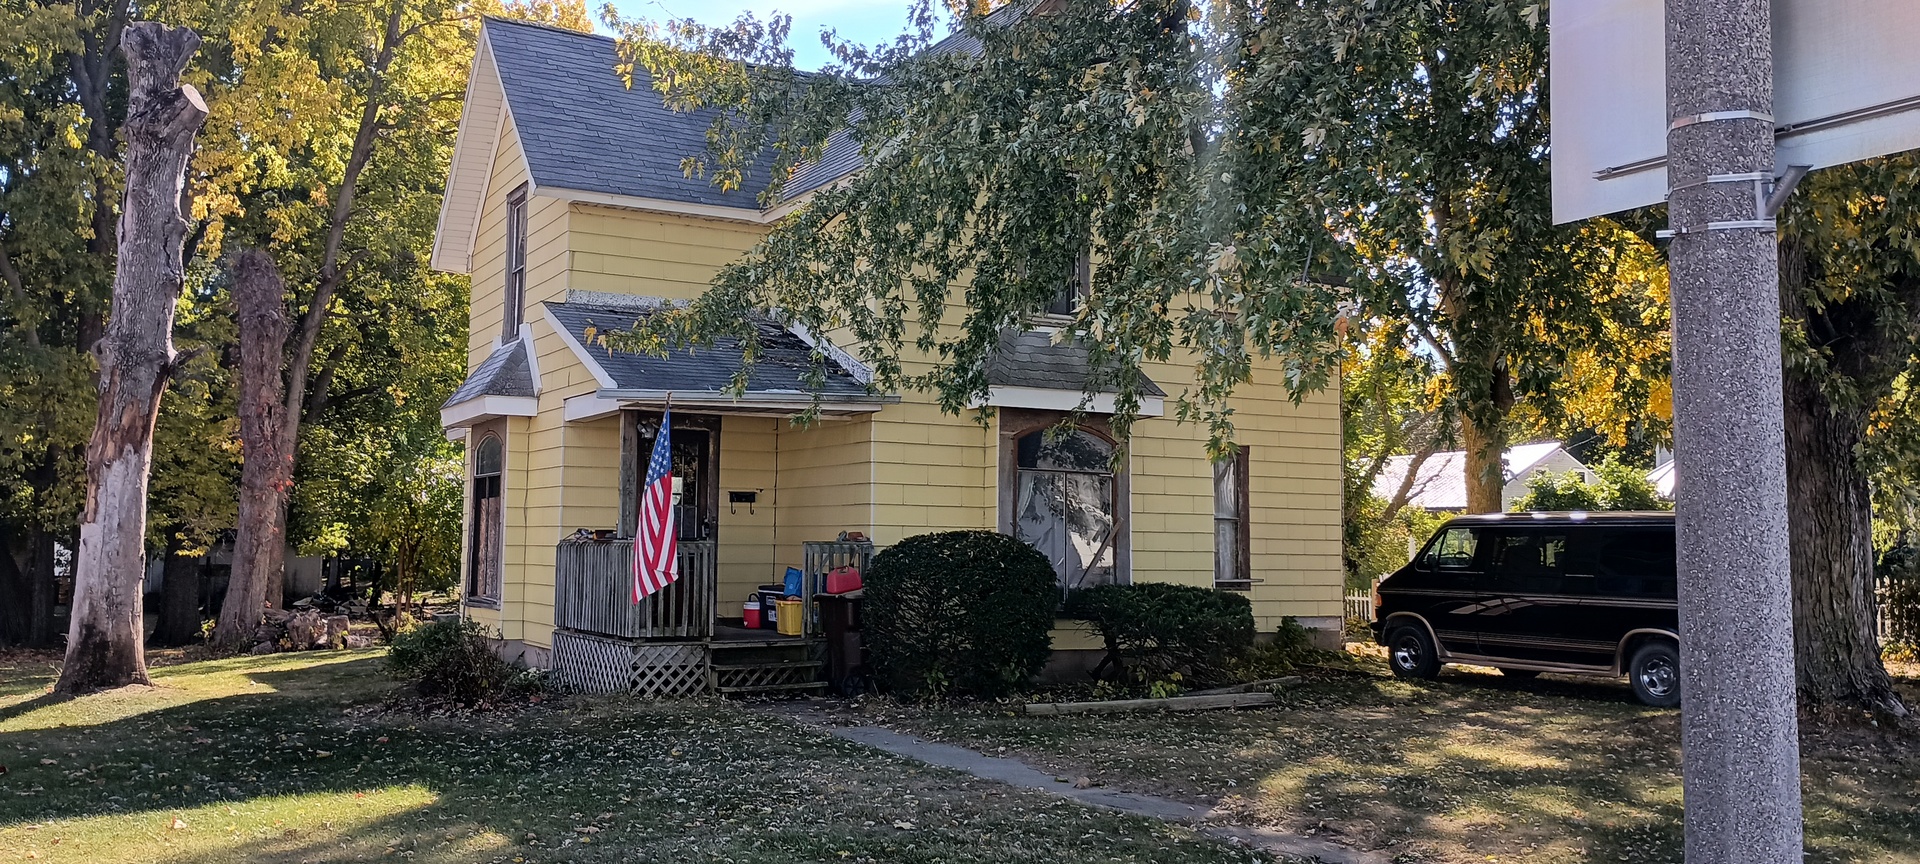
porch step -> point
(797, 687)
(782, 664)
(741, 675)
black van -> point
(1586, 593)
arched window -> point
(1065, 504)
(484, 538)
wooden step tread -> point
(770, 664)
(775, 688)
(780, 642)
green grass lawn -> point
(1470, 768)
(294, 758)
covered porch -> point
(747, 499)
(677, 642)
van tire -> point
(1654, 673)
(1411, 652)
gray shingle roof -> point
(1031, 359)
(505, 372)
(582, 128)
(842, 154)
(784, 362)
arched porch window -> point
(484, 547)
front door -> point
(696, 472)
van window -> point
(1636, 562)
(1454, 550)
(1533, 561)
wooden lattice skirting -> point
(586, 663)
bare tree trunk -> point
(1486, 447)
(179, 597)
(300, 342)
(260, 538)
(104, 635)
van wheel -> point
(1520, 674)
(1654, 673)
(1411, 653)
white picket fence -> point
(1360, 606)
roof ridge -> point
(540, 25)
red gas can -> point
(841, 580)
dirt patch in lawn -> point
(1470, 768)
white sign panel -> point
(1846, 87)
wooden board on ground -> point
(1174, 703)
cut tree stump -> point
(1174, 703)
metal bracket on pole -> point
(1717, 116)
(1769, 195)
(1782, 188)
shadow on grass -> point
(28, 706)
(1558, 771)
(304, 765)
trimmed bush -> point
(1156, 631)
(959, 612)
(453, 660)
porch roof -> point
(700, 376)
(505, 384)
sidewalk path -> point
(1014, 772)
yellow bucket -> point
(789, 617)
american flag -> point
(655, 560)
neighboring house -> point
(1441, 483)
(1662, 475)
(567, 206)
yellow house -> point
(567, 206)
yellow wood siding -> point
(651, 255)
(546, 249)
(907, 470)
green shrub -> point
(1618, 486)
(960, 612)
(1155, 630)
(453, 660)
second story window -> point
(1078, 283)
(515, 301)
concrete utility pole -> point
(1740, 735)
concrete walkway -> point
(1013, 772)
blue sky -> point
(863, 21)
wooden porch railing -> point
(593, 592)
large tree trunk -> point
(1486, 447)
(1829, 504)
(1830, 522)
(260, 541)
(104, 635)
(179, 597)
